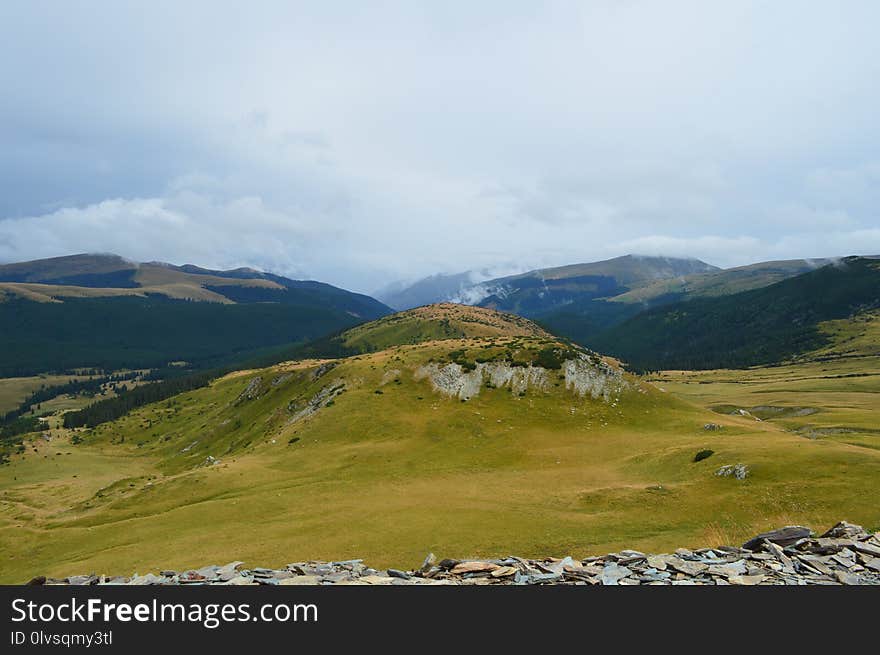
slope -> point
(543, 291)
(760, 326)
(481, 445)
(56, 315)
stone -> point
(504, 572)
(746, 579)
(148, 579)
(728, 570)
(232, 567)
(208, 572)
(783, 537)
(815, 563)
(612, 574)
(81, 580)
(738, 471)
(845, 530)
(867, 548)
(844, 561)
(300, 580)
(556, 567)
(657, 562)
(473, 567)
(428, 563)
(239, 581)
(397, 573)
(375, 580)
(847, 578)
(686, 567)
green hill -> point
(760, 326)
(502, 440)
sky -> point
(363, 143)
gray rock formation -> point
(584, 376)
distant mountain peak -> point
(547, 287)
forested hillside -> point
(761, 326)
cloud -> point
(425, 137)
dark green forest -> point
(133, 332)
(756, 327)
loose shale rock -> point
(844, 555)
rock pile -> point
(846, 554)
(739, 471)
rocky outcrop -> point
(454, 381)
(844, 555)
(321, 399)
(739, 471)
(253, 390)
(583, 376)
(594, 377)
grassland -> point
(433, 322)
(389, 469)
(14, 390)
(830, 394)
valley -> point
(456, 430)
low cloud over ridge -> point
(417, 138)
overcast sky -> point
(360, 143)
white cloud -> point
(360, 147)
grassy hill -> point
(501, 439)
(760, 326)
(62, 313)
(439, 321)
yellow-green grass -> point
(832, 393)
(390, 476)
(14, 390)
(858, 336)
(435, 322)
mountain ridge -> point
(758, 326)
(108, 312)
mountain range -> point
(580, 301)
(107, 312)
